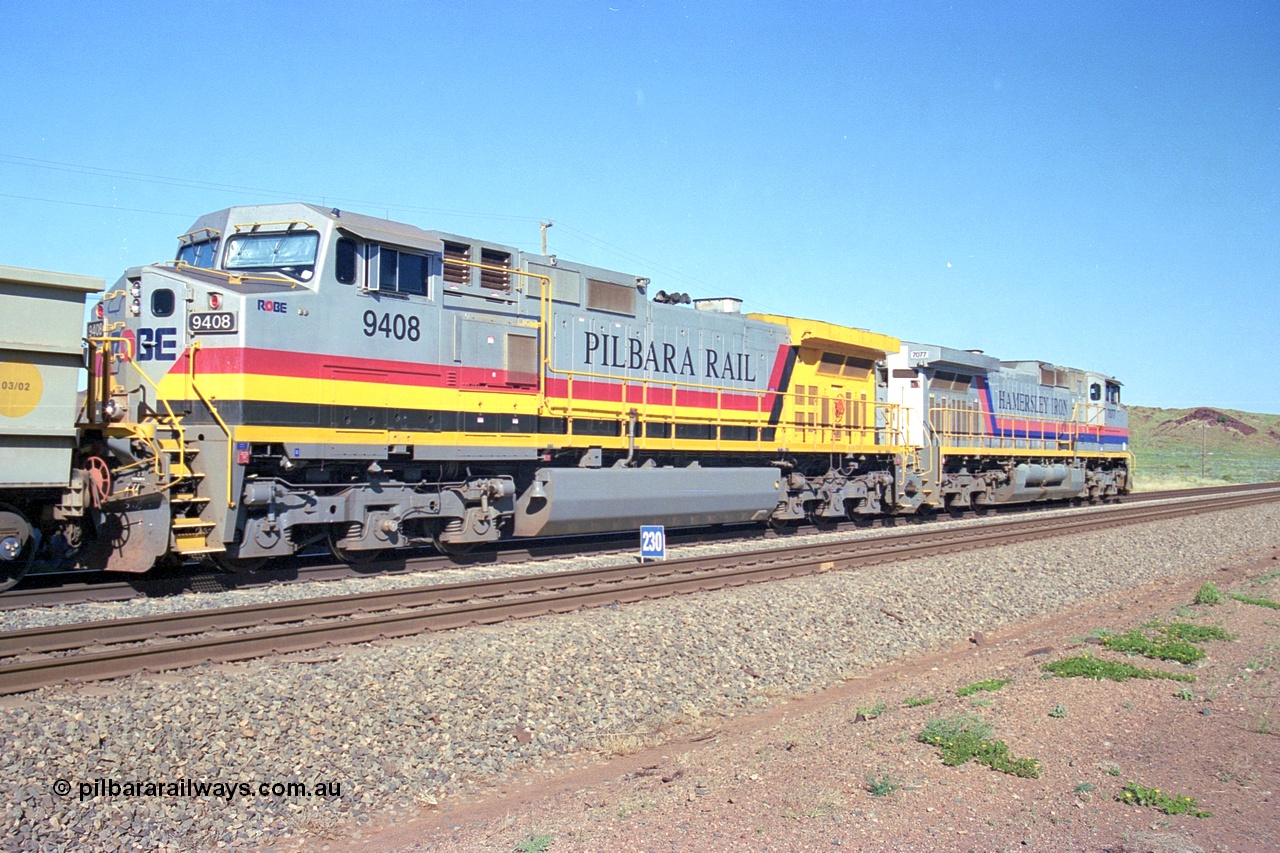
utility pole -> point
(1203, 428)
(545, 226)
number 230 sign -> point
(653, 542)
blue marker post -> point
(653, 542)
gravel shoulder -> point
(423, 732)
(800, 775)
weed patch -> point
(1157, 799)
(967, 737)
(913, 702)
(1192, 633)
(882, 786)
(1088, 666)
(869, 712)
(1208, 594)
(535, 844)
(991, 684)
(811, 805)
(1260, 602)
(1175, 641)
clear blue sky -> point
(1092, 184)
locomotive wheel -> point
(821, 523)
(859, 519)
(239, 565)
(11, 572)
(783, 526)
(17, 548)
(351, 558)
(451, 549)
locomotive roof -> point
(822, 334)
(934, 354)
(1035, 366)
(369, 227)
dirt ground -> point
(800, 776)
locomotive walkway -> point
(236, 633)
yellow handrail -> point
(232, 278)
(174, 420)
(288, 223)
(191, 376)
(961, 425)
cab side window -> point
(403, 272)
(345, 262)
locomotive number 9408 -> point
(396, 326)
(212, 323)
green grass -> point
(1136, 642)
(1260, 602)
(967, 737)
(1175, 641)
(1180, 469)
(1208, 594)
(1157, 799)
(882, 786)
(1088, 666)
(535, 844)
(1171, 455)
(1193, 633)
(991, 684)
(913, 702)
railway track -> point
(75, 590)
(76, 652)
(305, 571)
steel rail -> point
(79, 592)
(105, 632)
(599, 587)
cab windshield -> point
(291, 253)
(199, 254)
